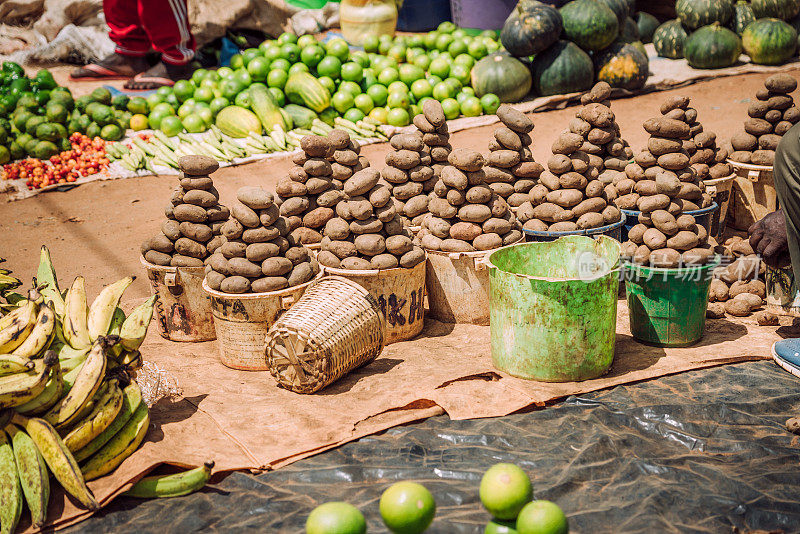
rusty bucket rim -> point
(333, 271)
(253, 296)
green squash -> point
(697, 13)
(769, 41)
(647, 25)
(622, 65)
(712, 47)
(669, 39)
(742, 16)
(503, 75)
(779, 9)
(589, 24)
(620, 9)
(562, 68)
(795, 23)
(630, 31)
(530, 28)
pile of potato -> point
(409, 176)
(708, 160)
(771, 116)
(664, 185)
(435, 134)
(465, 214)
(612, 157)
(367, 232)
(314, 185)
(194, 218)
(510, 169)
(570, 196)
(258, 253)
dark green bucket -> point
(668, 306)
(553, 308)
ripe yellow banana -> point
(120, 447)
(172, 485)
(132, 398)
(21, 325)
(48, 397)
(22, 387)
(33, 475)
(134, 329)
(11, 364)
(48, 282)
(104, 306)
(76, 330)
(58, 458)
(6, 320)
(41, 335)
(105, 411)
(87, 382)
(10, 490)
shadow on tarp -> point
(703, 451)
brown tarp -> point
(243, 421)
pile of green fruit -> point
(37, 116)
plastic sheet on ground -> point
(698, 452)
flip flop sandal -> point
(158, 81)
(100, 73)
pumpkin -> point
(779, 9)
(712, 47)
(530, 28)
(696, 13)
(647, 25)
(742, 16)
(669, 38)
(622, 65)
(562, 68)
(589, 24)
(769, 41)
(620, 9)
(638, 45)
(502, 75)
(630, 31)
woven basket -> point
(334, 328)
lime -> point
(360, 57)
(219, 103)
(461, 96)
(266, 44)
(397, 87)
(210, 84)
(422, 61)
(432, 79)
(328, 83)
(330, 66)
(103, 95)
(278, 95)
(154, 119)
(410, 73)
(406, 507)
(205, 114)
(460, 73)
(280, 64)
(439, 67)
(444, 41)
(389, 63)
(416, 40)
(379, 114)
(153, 99)
(338, 47)
(306, 40)
(277, 78)
(397, 52)
(163, 91)
(197, 76)
(378, 93)
(243, 99)
(57, 113)
(342, 101)
(498, 526)
(237, 61)
(371, 43)
(231, 87)
(243, 77)
(164, 108)
(354, 114)
(491, 34)
(351, 87)
(468, 90)
(477, 49)
(430, 39)
(505, 488)
(171, 125)
(193, 124)
(398, 100)
(446, 27)
(211, 75)
(451, 108)
(225, 72)
(186, 109)
(388, 75)
(542, 517)
(490, 102)
(298, 67)
(441, 91)
(5, 155)
(203, 94)
(492, 46)
(421, 89)
(384, 46)
(258, 67)
(458, 46)
(459, 33)
(455, 84)
(290, 52)
(369, 79)
(336, 518)
(250, 54)
(287, 37)
(465, 59)
(272, 52)
(311, 55)
(364, 103)
(352, 71)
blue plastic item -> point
(701, 217)
(422, 15)
(613, 231)
(227, 50)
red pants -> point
(137, 26)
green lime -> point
(371, 43)
(378, 93)
(439, 67)
(455, 84)
(351, 87)
(277, 78)
(312, 54)
(451, 108)
(298, 67)
(468, 90)
(460, 73)
(171, 125)
(139, 122)
(266, 44)
(338, 47)
(271, 53)
(336, 518)
(57, 113)
(422, 61)
(206, 115)
(231, 87)
(491, 34)
(369, 79)
(441, 91)
(197, 76)
(193, 124)
(406, 507)
(364, 103)
(243, 77)
(211, 75)
(330, 66)
(490, 102)
(287, 37)
(505, 488)
(542, 517)
(416, 40)
(250, 54)
(223, 72)
(354, 114)
(278, 95)
(388, 75)
(433, 80)
(164, 108)
(186, 109)
(103, 95)
(342, 101)
(477, 49)
(379, 114)
(154, 118)
(306, 40)
(210, 84)
(465, 59)
(243, 99)
(237, 61)
(328, 83)
(397, 87)
(258, 67)
(421, 89)
(218, 104)
(290, 52)
(430, 39)
(384, 46)
(163, 91)
(409, 73)
(444, 41)
(360, 57)
(352, 71)
(446, 27)
(492, 46)
(203, 94)
(458, 46)
(398, 100)
(397, 52)
(498, 526)
(280, 64)
(461, 96)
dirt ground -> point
(96, 229)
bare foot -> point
(115, 66)
(159, 75)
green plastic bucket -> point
(553, 308)
(668, 306)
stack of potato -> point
(708, 160)
(465, 214)
(194, 218)
(770, 117)
(258, 253)
(409, 176)
(510, 169)
(664, 183)
(736, 288)
(433, 125)
(569, 195)
(367, 232)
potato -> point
(356, 264)
(627, 202)
(416, 206)
(219, 263)
(780, 102)
(440, 153)
(457, 198)
(503, 158)
(590, 220)
(431, 242)
(246, 216)
(367, 226)
(654, 239)
(403, 159)
(766, 318)
(769, 142)
(385, 213)
(508, 138)
(329, 199)
(258, 252)
(412, 258)
(659, 146)
(715, 310)
(669, 128)
(636, 233)
(757, 109)
(559, 163)
(566, 198)
(674, 102)
(477, 213)
(572, 180)
(423, 124)
(297, 255)
(567, 143)
(244, 267)
(780, 83)
(665, 258)
(328, 259)
(551, 213)
(738, 308)
(317, 167)
(199, 197)
(677, 114)
(262, 234)
(337, 229)
(465, 231)
(466, 159)
(757, 287)
(189, 213)
(342, 249)
(452, 177)
(718, 291)
(597, 115)
(514, 119)
(601, 136)
(763, 157)
(317, 217)
(611, 214)
(757, 127)
(315, 146)
(644, 159)
(782, 127)
(646, 188)
(157, 258)
(674, 161)
(159, 243)
(527, 169)
(565, 226)
(191, 248)
(791, 115)
(738, 287)
(361, 182)
(652, 203)
(398, 244)
(358, 207)
(300, 274)
(384, 261)
(235, 284)
(442, 208)
(487, 241)
(197, 232)
(683, 240)
(412, 141)
(438, 227)
(370, 244)
(420, 173)
(595, 204)
(276, 266)
(456, 245)
(233, 249)
(496, 225)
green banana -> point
(105, 411)
(172, 485)
(40, 336)
(46, 277)
(22, 387)
(13, 335)
(86, 384)
(120, 447)
(76, 330)
(72, 364)
(115, 328)
(33, 474)
(132, 398)
(10, 490)
(135, 326)
(102, 310)
(48, 397)
(11, 364)
(58, 458)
